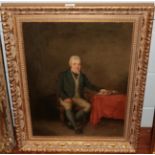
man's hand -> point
(104, 92)
(107, 92)
(68, 100)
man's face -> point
(76, 66)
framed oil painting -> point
(77, 74)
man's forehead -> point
(76, 61)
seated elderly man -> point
(71, 91)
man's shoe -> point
(78, 131)
(69, 125)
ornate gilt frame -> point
(141, 15)
(7, 141)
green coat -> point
(66, 85)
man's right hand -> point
(68, 100)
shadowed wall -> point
(103, 47)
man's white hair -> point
(74, 58)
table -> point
(108, 106)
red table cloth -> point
(108, 106)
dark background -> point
(103, 47)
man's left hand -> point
(107, 92)
(104, 92)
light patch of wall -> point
(149, 98)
